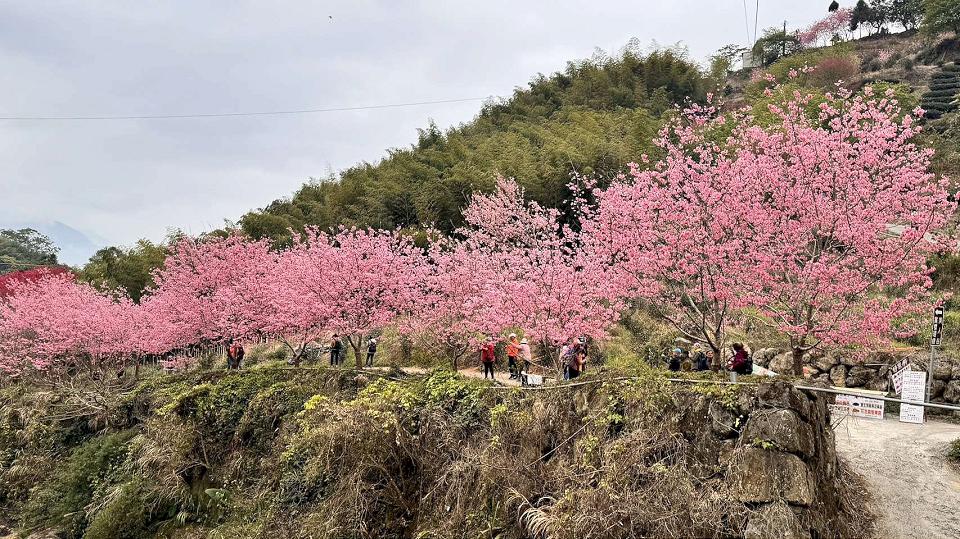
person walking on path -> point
(525, 354)
(371, 351)
(487, 357)
(235, 355)
(336, 349)
(513, 352)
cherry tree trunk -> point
(798, 360)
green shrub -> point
(127, 515)
(60, 503)
(954, 452)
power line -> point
(746, 21)
(756, 19)
(236, 114)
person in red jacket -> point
(488, 356)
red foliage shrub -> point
(829, 70)
(7, 281)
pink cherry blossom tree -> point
(352, 282)
(677, 234)
(210, 291)
(820, 222)
(833, 24)
(850, 215)
(448, 317)
(532, 272)
(54, 323)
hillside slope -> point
(592, 118)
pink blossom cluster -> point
(834, 23)
(819, 225)
(817, 221)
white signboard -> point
(897, 377)
(913, 389)
(857, 406)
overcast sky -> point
(118, 181)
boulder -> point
(838, 376)
(859, 376)
(785, 396)
(759, 475)
(782, 363)
(951, 393)
(763, 356)
(782, 427)
(937, 387)
(824, 362)
(775, 521)
(942, 370)
(846, 358)
(723, 421)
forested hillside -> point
(592, 118)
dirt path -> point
(470, 372)
(917, 492)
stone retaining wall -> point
(783, 462)
(870, 372)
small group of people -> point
(700, 359)
(697, 359)
(338, 351)
(518, 350)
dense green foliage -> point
(126, 269)
(593, 118)
(24, 249)
(941, 16)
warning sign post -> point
(913, 388)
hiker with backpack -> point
(488, 356)
(576, 358)
(740, 362)
(700, 361)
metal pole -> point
(930, 372)
(888, 399)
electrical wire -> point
(746, 22)
(15, 117)
(756, 20)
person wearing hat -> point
(513, 350)
(676, 360)
(525, 354)
(700, 362)
(371, 351)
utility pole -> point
(783, 44)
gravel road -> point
(917, 491)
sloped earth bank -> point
(317, 453)
(917, 493)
